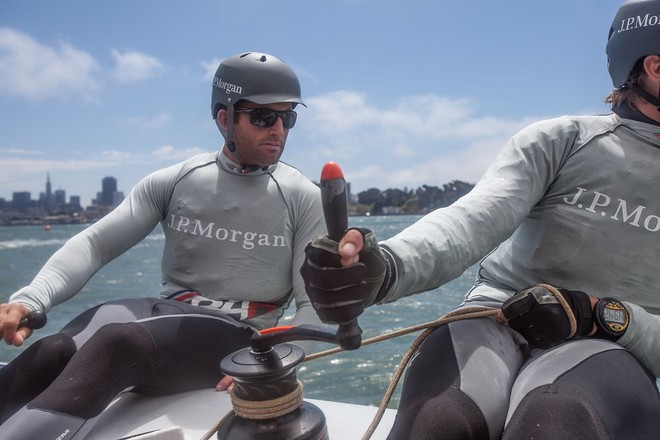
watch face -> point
(614, 316)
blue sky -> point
(399, 93)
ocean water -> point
(359, 376)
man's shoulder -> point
(199, 160)
(189, 163)
(579, 127)
(604, 121)
(291, 174)
(180, 169)
(295, 184)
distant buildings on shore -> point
(51, 206)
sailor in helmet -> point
(235, 222)
(565, 228)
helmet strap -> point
(231, 145)
(230, 127)
(646, 96)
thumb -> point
(350, 246)
(500, 317)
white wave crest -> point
(30, 243)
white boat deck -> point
(191, 415)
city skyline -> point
(107, 196)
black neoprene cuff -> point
(390, 277)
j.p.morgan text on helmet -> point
(227, 87)
(638, 21)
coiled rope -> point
(260, 409)
(268, 409)
(293, 400)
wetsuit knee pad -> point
(116, 357)
(548, 413)
(451, 415)
(608, 396)
(48, 355)
(33, 371)
(431, 405)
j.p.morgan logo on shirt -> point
(248, 239)
(616, 209)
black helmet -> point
(634, 34)
(257, 77)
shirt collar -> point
(628, 111)
(637, 121)
(229, 165)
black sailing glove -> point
(340, 294)
(547, 316)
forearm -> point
(641, 338)
(71, 267)
(443, 244)
(446, 242)
(63, 275)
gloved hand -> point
(341, 293)
(539, 315)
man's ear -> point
(221, 119)
(652, 67)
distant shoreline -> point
(78, 221)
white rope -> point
(268, 409)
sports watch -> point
(612, 319)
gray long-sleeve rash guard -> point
(572, 202)
(235, 239)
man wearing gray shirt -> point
(570, 207)
(236, 223)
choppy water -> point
(360, 376)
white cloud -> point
(116, 157)
(210, 67)
(133, 66)
(36, 71)
(169, 153)
(149, 124)
(21, 152)
(15, 168)
(418, 140)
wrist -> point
(390, 277)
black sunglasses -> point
(265, 117)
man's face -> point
(257, 145)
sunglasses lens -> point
(288, 119)
(263, 117)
